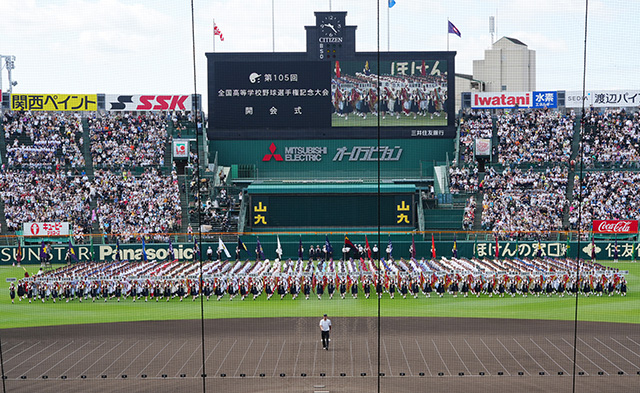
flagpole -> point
(447, 34)
(388, 29)
(273, 26)
(214, 35)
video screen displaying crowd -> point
(128, 140)
(43, 140)
(132, 206)
(321, 279)
(517, 201)
(417, 95)
(612, 136)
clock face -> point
(331, 26)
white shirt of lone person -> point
(325, 324)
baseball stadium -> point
(324, 219)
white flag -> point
(222, 247)
(279, 249)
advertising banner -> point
(615, 226)
(603, 250)
(528, 99)
(483, 147)
(54, 102)
(603, 99)
(180, 148)
(45, 229)
(138, 102)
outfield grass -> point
(602, 309)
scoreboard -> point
(331, 91)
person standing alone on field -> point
(325, 328)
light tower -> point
(9, 64)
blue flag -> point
(259, 252)
(196, 250)
(43, 251)
(144, 250)
(392, 3)
(72, 252)
(327, 244)
(454, 30)
(390, 246)
(241, 244)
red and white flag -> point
(216, 31)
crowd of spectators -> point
(606, 196)
(518, 201)
(123, 139)
(43, 140)
(534, 136)
(33, 196)
(469, 213)
(612, 135)
(477, 124)
(463, 180)
(130, 206)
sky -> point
(145, 46)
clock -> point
(331, 26)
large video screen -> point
(393, 95)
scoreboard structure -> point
(331, 91)
(313, 132)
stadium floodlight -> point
(9, 64)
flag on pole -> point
(497, 248)
(171, 252)
(117, 250)
(433, 247)
(222, 247)
(19, 253)
(327, 245)
(392, 3)
(241, 245)
(144, 250)
(348, 243)
(413, 246)
(217, 32)
(475, 247)
(72, 252)
(337, 69)
(454, 30)
(389, 247)
(367, 247)
(455, 246)
(279, 249)
(43, 251)
(615, 249)
(196, 250)
(259, 252)
(300, 249)
(593, 248)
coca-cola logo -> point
(615, 226)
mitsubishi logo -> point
(272, 149)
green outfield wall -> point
(604, 250)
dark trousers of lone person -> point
(325, 339)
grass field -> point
(600, 309)
(389, 121)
